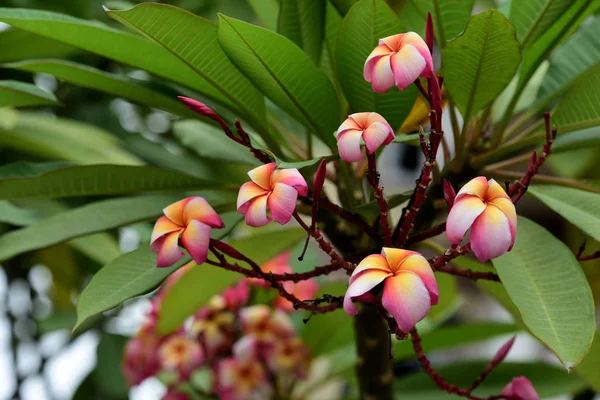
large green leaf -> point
(57, 138)
(130, 275)
(112, 43)
(532, 18)
(584, 139)
(303, 22)
(193, 40)
(51, 181)
(546, 283)
(19, 94)
(366, 23)
(208, 141)
(21, 45)
(14, 215)
(580, 108)
(579, 53)
(588, 369)
(93, 78)
(284, 73)
(548, 381)
(91, 218)
(480, 63)
(200, 284)
(267, 12)
(579, 207)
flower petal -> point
(406, 298)
(349, 146)
(175, 211)
(382, 77)
(163, 226)
(282, 203)
(262, 175)
(256, 214)
(393, 42)
(349, 123)
(373, 261)
(508, 208)
(395, 257)
(490, 235)
(248, 191)
(476, 187)
(197, 208)
(407, 65)
(362, 283)
(523, 388)
(412, 38)
(376, 54)
(195, 239)
(375, 135)
(169, 253)
(420, 266)
(291, 177)
(495, 191)
(461, 217)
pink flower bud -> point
(181, 354)
(279, 189)
(520, 388)
(449, 193)
(188, 221)
(398, 60)
(485, 208)
(429, 36)
(202, 109)
(409, 286)
(370, 127)
(503, 351)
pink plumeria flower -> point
(140, 358)
(289, 357)
(484, 207)
(280, 264)
(302, 290)
(266, 325)
(188, 222)
(371, 127)
(520, 388)
(398, 60)
(279, 189)
(409, 286)
(214, 325)
(181, 354)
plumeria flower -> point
(520, 388)
(187, 222)
(266, 325)
(289, 356)
(140, 358)
(214, 325)
(279, 189)
(369, 127)
(484, 207)
(398, 60)
(280, 264)
(302, 290)
(181, 354)
(409, 286)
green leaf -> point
(63, 139)
(131, 275)
(580, 108)
(187, 295)
(21, 45)
(408, 139)
(583, 139)
(20, 94)
(14, 215)
(267, 12)
(532, 18)
(449, 298)
(578, 54)
(284, 73)
(208, 141)
(546, 283)
(91, 180)
(109, 354)
(303, 22)
(121, 46)
(372, 208)
(579, 207)
(480, 63)
(588, 369)
(193, 40)
(366, 23)
(91, 218)
(343, 6)
(548, 381)
(117, 85)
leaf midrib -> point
(536, 23)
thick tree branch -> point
(373, 178)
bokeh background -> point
(39, 358)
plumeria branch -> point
(428, 234)
(373, 178)
(441, 263)
(581, 257)
(441, 382)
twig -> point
(373, 178)
(431, 232)
(581, 257)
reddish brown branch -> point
(431, 232)
(581, 257)
(467, 273)
(373, 178)
(439, 380)
(352, 218)
(519, 188)
(258, 154)
(441, 263)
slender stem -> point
(431, 232)
(373, 178)
(459, 144)
(309, 144)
